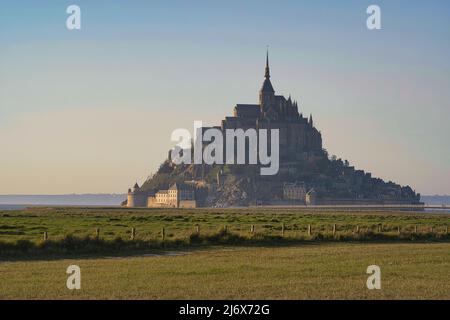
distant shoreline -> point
(431, 210)
(62, 200)
(18, 202)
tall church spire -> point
(267, 93)
(267, 87)
(267, 75)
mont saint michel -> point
(307, 175)
(252, 174)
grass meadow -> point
(112, 223)
(255, 253)
(309, 271)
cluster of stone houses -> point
(297, 192)
(177, 196)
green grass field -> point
(223, 265)
(179, 224)
(311, 271)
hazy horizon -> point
(91, 111)
(12, 201)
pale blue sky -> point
(92, 110)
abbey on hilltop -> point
(298, 136)
(307, 175)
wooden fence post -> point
(197, 229)
(309, 229)
(133, 233)
(45, 236)
(163, 234)
(97, 233)
(380, 227)
(282, 229)
(225, 228)
(398, 229)
(415, 229)
(334, 230)
(252, 229)
(357, 229)
(432, 229)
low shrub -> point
(71, 245)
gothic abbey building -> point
(306, 176)
(297, 134)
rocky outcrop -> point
(234, 191)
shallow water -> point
(12, 206)
(443, 210)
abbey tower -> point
(298, 136)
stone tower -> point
(136, 197)
(267, 93)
